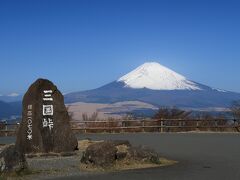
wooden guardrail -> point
(141, 125)
(156, 125)
(8, 129)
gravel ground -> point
(54, 167)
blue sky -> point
(84, 44)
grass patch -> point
(20, 174)
(127, 164)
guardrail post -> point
(85, 125)
(180, 125)
(105, 126)
(216, 125)
(143, 124)
(198, 125)
(121, 126)
(6, 129)
(161, 124)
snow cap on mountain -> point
(155, 76)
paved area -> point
(201, 156)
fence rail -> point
(8, 129)
(142, 125)
(157, 125)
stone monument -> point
(45, 125)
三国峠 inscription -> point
(47, 109)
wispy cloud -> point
(13, 95)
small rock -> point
(100, 154)
(122, 150)
(121, 155)
(143, 154)
(12, 160)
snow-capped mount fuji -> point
(157, 85)
(154, 76)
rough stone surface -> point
(143, 154)
(100, 154)
(12, 160)
(121, 155)
(106, 153)
(45, 125)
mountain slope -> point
(152, 83)
(11, 97)
(10, 109)
(117, 92)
